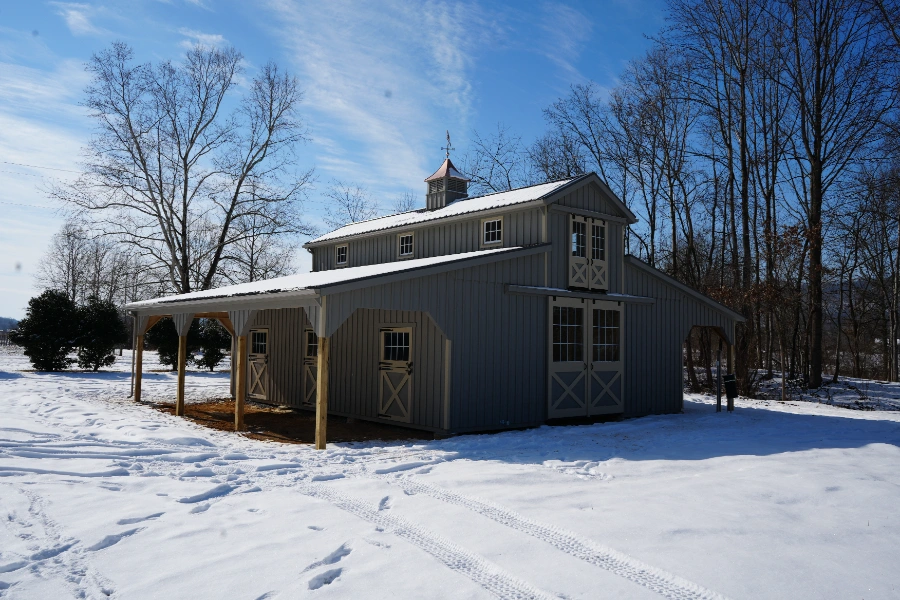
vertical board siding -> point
(654, 339)
(355, 353)
(520, 228)
(498, 367)
(285, 367)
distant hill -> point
(6, 323)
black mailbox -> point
(730, 386)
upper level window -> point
(492, 231)
(578, 238)
(341, 255)
(405, 245)
(598, 242)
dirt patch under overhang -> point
(292, 426)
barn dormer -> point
(445, 185)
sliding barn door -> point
(568, 369)
(586, 366)
(395, 374)
(606, 360)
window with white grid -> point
(406, 245)
(598, 242)
(568, 328)
(395, 345)
(606, 335)
(341, 255)
(312, 344)
(493, 231)
(578, 238)
(258, 342)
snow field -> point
(101, 498)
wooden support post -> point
(719, 378)
(240, 383)
(139, 367)
(731, 372)
(182, 359)
(322, 393)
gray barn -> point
(499, 311)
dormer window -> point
(492, 232)
(340, 254)
(405, 247)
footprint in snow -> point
(335, 557)
(385, 503)
(133, 520)
(111, 540)
(315, 528)
(323, 579)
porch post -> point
(141, 325)
(240, 327)
(730, 372)
(182, 359)
(322, 393)
(182, 326)
(139, 367)
(240, 383)
(322, 379)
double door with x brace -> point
(586, 358)
(588, 269)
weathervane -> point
(448, 148)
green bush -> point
(100, 330)
(164, 338)
(49, 331)
(214, 341)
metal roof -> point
(447, 170)
(459, 207)
(310, 284)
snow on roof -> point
(459, 207)
(318, 279)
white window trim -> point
(347, 258)
(484, 244)
(411, 254)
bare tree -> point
(556, 155)
(496, 163)
(840, 90)
(172, 172)
(349, 204)
(406, 202)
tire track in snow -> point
(486, 574)
(663, 583)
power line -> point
(6, 162)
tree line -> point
(757, 141)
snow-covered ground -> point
(100, 497)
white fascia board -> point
(260, 301)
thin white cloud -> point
(78, 18)
(41, 124)
(204, 39)
(387, 77)
(566, 31)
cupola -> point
(446, 184)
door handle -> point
(409, 369)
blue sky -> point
(382, 81)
